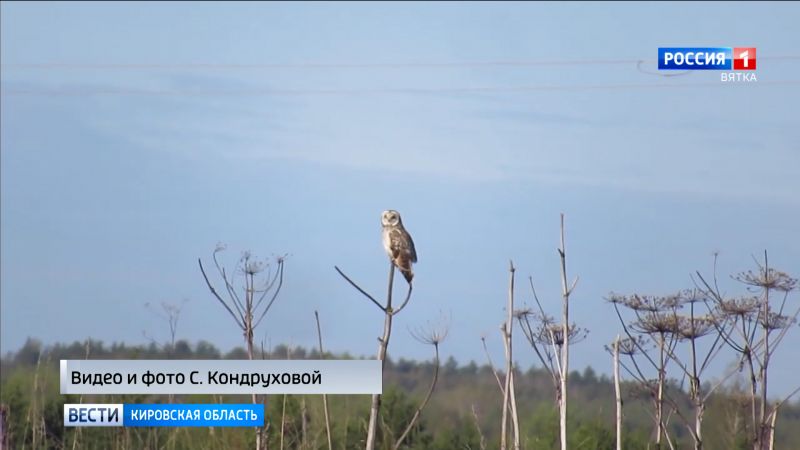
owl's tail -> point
(408, 274)
(404, 266)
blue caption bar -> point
(695, 58)
(196, 415)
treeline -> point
(464, 412)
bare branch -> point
(237, 303)
(536, 297)
(275, 293)
(363, 292)
(405, 301)
(491, 364)
(216, 295)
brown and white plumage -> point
(398, 243)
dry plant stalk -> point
(171, 314)
(33, 414)
(478, 427)
(77, 435)
(249, 313)
(759, 324)
(658, 319)
(303, 423)
(690, 329)
(432, 337)
(628, 347)
(565, 293)
(324, 396)
(509, 393)
(4, 434)
(491, 365)
(383, 342)
(550, 340)
(283, 407)
(655, 321)
(617, 393)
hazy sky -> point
(137, 136)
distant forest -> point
(464, 411)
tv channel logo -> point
(93, 415)
(744, 58)
(707, 58)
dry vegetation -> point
(661, 395)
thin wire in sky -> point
(371, 91)
(340, 65)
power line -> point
(308, 65)
(370, 91)
(340, 65)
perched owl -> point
(398, 243)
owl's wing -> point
(411, 250)
(402, 244)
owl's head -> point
(390, 218)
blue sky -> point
(135, 137)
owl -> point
(398, 243)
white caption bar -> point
(126, 376)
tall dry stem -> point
(249, 309)
(617, 393)
(324, 396)
(383, 342)
(509, 392)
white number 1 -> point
(745, 55)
